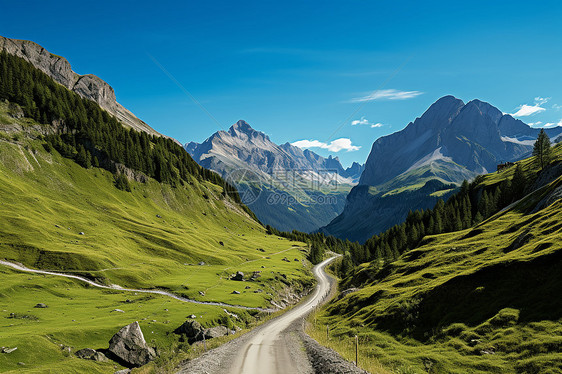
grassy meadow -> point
(56, 215)
(481, 300)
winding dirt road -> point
(20, 267)
(266, 351)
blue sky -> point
(305, 71)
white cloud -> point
(541, 100)
(528, 110)
(390, 94)
(362, 121)
(556, 106)
(552, 124)
(334, 146)
(538, 123)
(365, 121)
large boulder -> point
(129, 346)
(192, 330)
(239, 276)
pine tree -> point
(81, 156)
(478, 218)
(316, 253)
(541, 149)
(518, 182)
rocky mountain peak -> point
(440, 113)
(87, 86)
(485, 109)
(241, 126)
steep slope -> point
(450, 142)
(480, 300)
(287, 187)
(88, 86)
(81, 194)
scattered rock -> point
(129, 346)
(236, 292)
(124, 371)
(158, 216)
(118, 311)
(201, 293)
(215, 332)
(263, 267)
(261, 249)
(239, 276)
(86, 353)
(489, 351)
(247, 287)
(57, 226)
(347, 292)
(8, 350)
(193, 316)
(192, 330)
(21, 363)
(255, 275)
(286, 259)
(91, 354)
(81, 233)
(474, 342)
(128, 301)
(40, 305)
(221, 243)
(15, 111)
(201, 263)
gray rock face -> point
(242, 144)
(239, 276)
(450, 142)
(88, 86)
(130, 347)
(286, 184)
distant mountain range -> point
(287, 187)
(412, 168)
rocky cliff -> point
(88, 86)
(450, 142)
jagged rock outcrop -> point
(129, 346)
(88, 86)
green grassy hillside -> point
(480, 300)
(151, 237)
